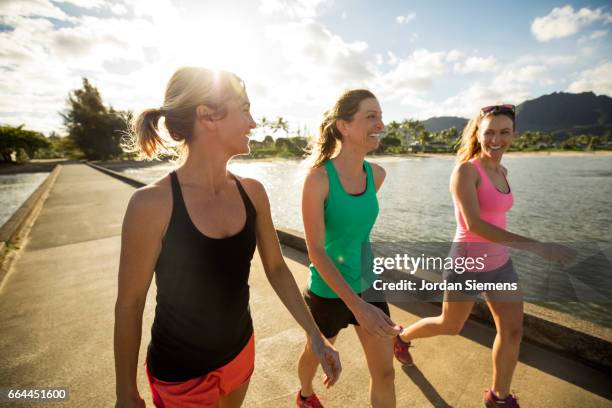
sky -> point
(421, 59)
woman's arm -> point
(143, 227)
(284, 284)
(464, 189)
(372, 319)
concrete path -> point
(57, 311)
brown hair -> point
(469, 146)
(188, 88)
(345, 108)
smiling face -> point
(233, 130)
(495, 134)
(364, 129)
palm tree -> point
(280, 124)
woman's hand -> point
(375, 321)
(328, 357)
(555, 252)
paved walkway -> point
(57, 311)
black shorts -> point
(505, 274)
(332, 314)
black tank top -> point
(202, 318)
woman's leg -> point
(234, 399)
(508, 318)
(379, 356)
(451, 321)
(307, 368)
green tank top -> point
(348, 222)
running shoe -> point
(402, 354)
(312, 401)
(491, 401)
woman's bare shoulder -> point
(254, 189)
(152, 201)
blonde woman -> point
(196, 230)
(339, 207)
(482, 197)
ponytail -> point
(146, 131)
(469, 146)
(327, 144)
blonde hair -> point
(187, 89)
(469, 146)
(330, 138)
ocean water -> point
(15, 189)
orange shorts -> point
(205, 391)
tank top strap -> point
(335, 185)
(332, 176)
(178, 204)
(370, 177)
(248, 204)
(484, 179)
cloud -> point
(598, 80)
(564, 21)
(454, 55)
(30, 8)
(122, 66)
(595, 35)
(476, 64)
(119, 9)
(558, 59)
(313, 65)
(412, 76)
(525, 74)
(405, 19)
(309, 47)
(89, 4)
(468, 102)
(42, 62)
(291, 8)
(393, 60)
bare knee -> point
(384, 375)
(512, 334)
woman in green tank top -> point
(339, 207)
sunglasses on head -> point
(497, 109)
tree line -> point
(95, 131)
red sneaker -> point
(491, 401)
(402, 354)
(312, 401)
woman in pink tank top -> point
(482, 196)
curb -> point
(132, 182)
(572, 338)
(12, 230)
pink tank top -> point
(493, 208)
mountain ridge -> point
(563, 114)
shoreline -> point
(45, 166)
(554, 153)
(32, 166)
